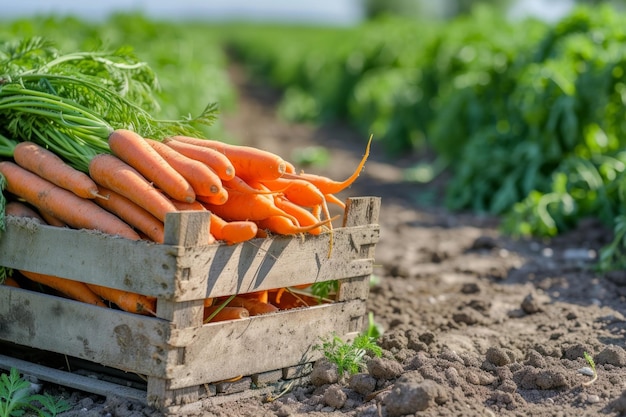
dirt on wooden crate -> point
(475, 323)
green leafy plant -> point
(16, 399)
(324, 289)
(349, 357)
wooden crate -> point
(175, 351)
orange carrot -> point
(76, 212)
(215, 199)
(224, 313)
(111, 172)
(136, 152)
(51, 167)
(232, 232)
(244, 206)
(328, 186)
(11, 282)
(202, 178)
(331, 198)
(304, 216)
(255, 307)
(17, 209)
(284, 226)
(238, 184)
(208, 302)
(298, 191)
(74, 289)
(289, 299)
(126, 300)
(182, 206)
(249, 162)
(131, 213)
(215, 160)
(261, 296)
(51, 220)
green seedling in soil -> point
(349, 357)
(16, 399)
(592, 365)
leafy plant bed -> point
(175, 352)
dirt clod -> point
(324, 373)
(409, 396)
(612, 355)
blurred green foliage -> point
(527, 116)
(188, 59)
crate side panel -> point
(285, 261)
(258, 344)
(110, 337)
(91, 257)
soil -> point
(475, 323)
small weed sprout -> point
(15, 398)
(350, 357)
(592, 365)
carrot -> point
(215, 160)
(239, 184)
(111, 172)
(136, 152)
(328, 186)
(200, 176)
(255, 307)
(232, 232)
(224, 313)
(261, 296)
(331, 198)
(126, 300)
(131, 213)
(299, 191)
(51, 167)
(208, 302)
(216, 199)
(182, 206)
(288, 300)
(284, 226)
(304, 217)
(249, 162)
(11, 282)
(73, 289)
(51, 220)
(244, 206)
(76, 212)
(17, 209)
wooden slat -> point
(360, 212)
(258, 344)
(110, 337)
(185, 273)
(68, 379)
(188, 229)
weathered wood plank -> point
(68, 379)
(185, 273)
(110, 337)
(360, 211)
(181, 229)
(257, 344)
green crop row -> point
(527, 116)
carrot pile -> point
(250, 193)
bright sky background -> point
(340, 12)
(330, 11)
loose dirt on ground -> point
(475, 323)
